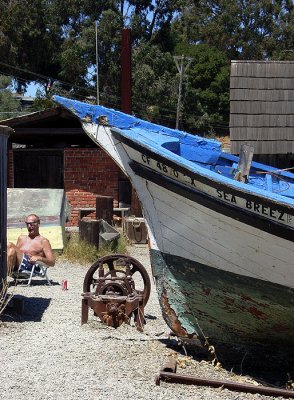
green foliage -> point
(42, 102)
(9, 106)
(77, 250)
(55, 41)
(250, 29)
(206, 88)
(154, 82)
(27, 41)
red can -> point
(64, 284)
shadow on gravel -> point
(263, 365)
(25, 309)
(151, 317)
(35, 282)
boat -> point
(221, 229)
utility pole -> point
(126, 71)
(179, 60)
(97, 69)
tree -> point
(244, 29)
(56, 39)
(154, 84)
(206, 89)
(28, 45)
(9, 106)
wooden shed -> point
(262, 110)
(50, 150)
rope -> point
(275, 171)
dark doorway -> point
(38, 169)
(124, 194)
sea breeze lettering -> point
(253, 206)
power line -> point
(115, 102)
(42, 77)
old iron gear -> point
(112, 294)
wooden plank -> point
(214, 240)
(261, 95)
(264, 83)
(259, 107)
(104, 208)
(261, 133)
(277, 160)
(263, 69)
(239, 120)
(265, 147)
(89, 230)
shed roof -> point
(53, 127)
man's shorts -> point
(26, 267)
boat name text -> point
(253, 206)
(244, 203)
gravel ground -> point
(47, 354)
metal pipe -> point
(239, 387)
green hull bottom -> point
(221, 307)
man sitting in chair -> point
(30, 249)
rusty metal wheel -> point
(118, 266)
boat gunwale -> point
(228, 209)
(203, 175)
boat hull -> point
(221, 252)
(222, 308)
(223, 275)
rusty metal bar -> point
(170, 366)
(239, 387)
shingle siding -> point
(262, 106)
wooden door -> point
(38, 169)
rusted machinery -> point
(117, 288)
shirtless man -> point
(34, 245)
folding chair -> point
(27, 271)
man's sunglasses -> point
(32, 223)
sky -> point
(32, 89)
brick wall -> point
(87, 173)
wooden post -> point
(104, 208)
(126, 69)
(245, 159)
(4, 133)
(89, 230)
